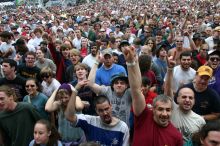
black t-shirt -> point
(29, 72)
(18, 84)
(206, 102)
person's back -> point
(17, 125)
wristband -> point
(170, 69)
(131, 64)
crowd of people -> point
(111, 73)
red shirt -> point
(148, 133)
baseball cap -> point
(205, 70)
(213, 52)
(120, 76)
(217, 28)
(107, 51)
(117, 25)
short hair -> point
(38, 30)
(162, 98)
(210, 126)
(145, 81)
(11, 62)
(82, 65)
(47, 71)
(185, 53)
(64, 47)
(101, 99)
(144, 63)
(30, 53)
(8, 91)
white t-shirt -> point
(187, 124)
(4, 47)
(48, 89)
(181, 77)
(89, 60)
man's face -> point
(185, 62)
(214, 61)
(119, 86)
(203, 50)
(104, 110)
(108, 60)
(162, 113)
(163, 53)
(202, 82)
(94, 50)
(4, 101)
(30, 59)
(7, 69)
(78, 33)
(179, 42)
(186, 99)
(212, 139)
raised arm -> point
(52, 105)
(134, 76)
(70, 112)
(169, 77)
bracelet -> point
(131, 64)
(170, 69)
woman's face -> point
(41, 134)
(31, 87)
(150, 43)
(39, 54)
(84, 43)
(81, 72)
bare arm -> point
(52, 105)
(171, 35)
(213, 116)
(70, 110)
(135, 80)
(79, 104)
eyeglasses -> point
(179, 41)
(214, 58)
(190, 27)
(30, 86)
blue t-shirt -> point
(103, 75)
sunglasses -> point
(214, 58)
(45, 76)
(179, 41)
(30, 86)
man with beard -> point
(104, 128)
(183, 73)
(90, 59)
(214, 63)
